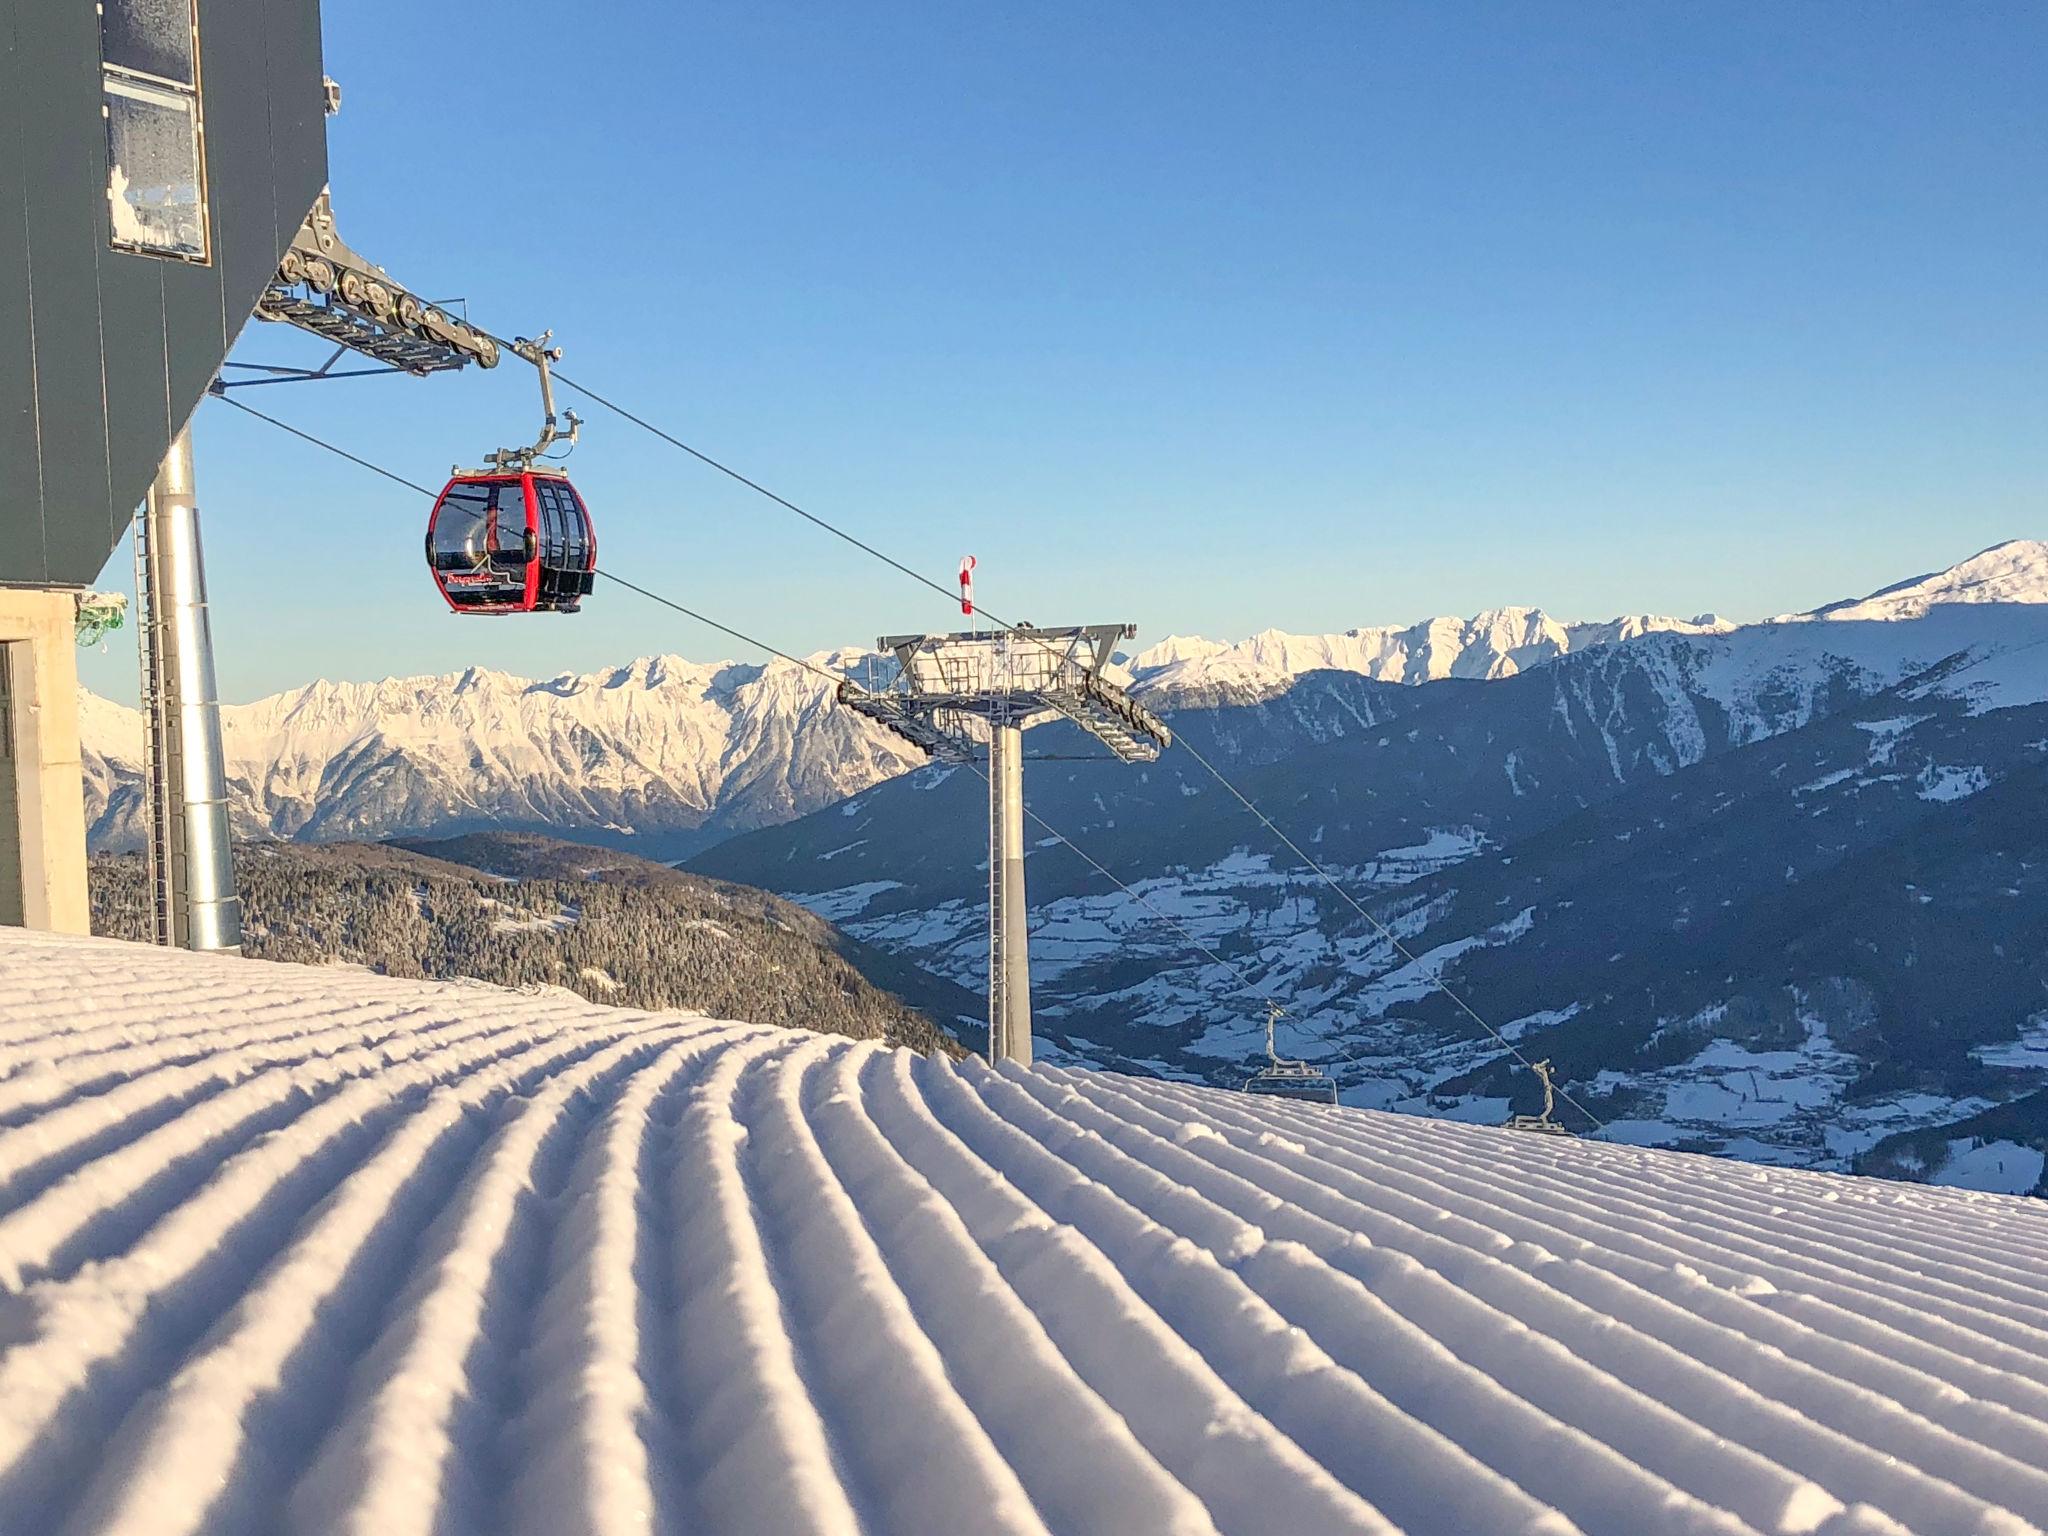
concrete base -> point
(42, 802)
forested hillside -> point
(613, 929)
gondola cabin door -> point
(511, 543)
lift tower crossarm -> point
(1036, 674)
(895, 712)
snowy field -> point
(285, 1250)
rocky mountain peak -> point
(2013, 572)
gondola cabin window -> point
(509, 547)
(156, 160)
(462, 529)
(564, 525)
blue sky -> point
(1210, 316)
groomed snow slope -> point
(294, 1250)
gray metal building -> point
(156, 158)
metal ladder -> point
(156, 811)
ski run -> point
(295, 1250)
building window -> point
(156, 162)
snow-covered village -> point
(1079, 771)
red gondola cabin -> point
(512, 543)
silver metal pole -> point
(995, 904)
(1006, 776)
(190, 781)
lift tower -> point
(951, 693)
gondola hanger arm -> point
(562, 430)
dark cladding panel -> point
(132, 327)
(105, 352)
(64, 160)
(195, 336)
(192, 332)
(21, 504)
(138, 412)
(298, 107)
(245, 244)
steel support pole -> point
(1010, 978)
(187, 773)
(995, 904)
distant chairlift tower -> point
(1008, 682)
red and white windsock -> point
(967, 585)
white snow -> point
(1543, 1018)
(848, 900)
(285, 1250)
(2030, 1050)
(1445, 845)
(2013, 572)
(2002, 679)
(515, 919)
(1498, 643)
(1826, 781)
(660, 742)
(1502, 642)
(1949, 781)
(2004, 1167)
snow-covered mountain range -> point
(1676, 863)
(1497, 643)
(2013, 572)
(663, 753)
(671, 755)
